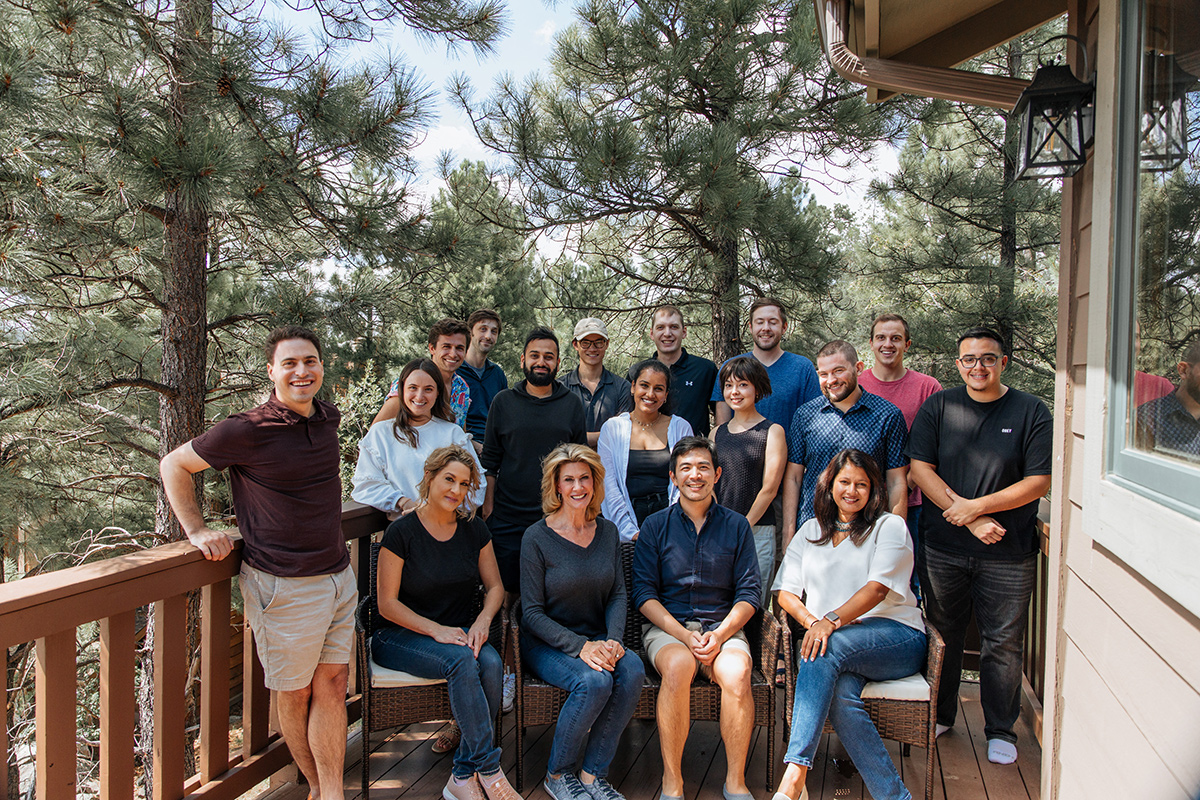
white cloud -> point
(546, 32)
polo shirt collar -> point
(606, 377)
(277, 406)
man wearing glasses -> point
(981, 453)
(603, 393)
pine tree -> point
(154, 155)
(673, 121)
(960, 243)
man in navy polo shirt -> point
(845, 416)
(691, 376)
(793, 377)
(484, 377)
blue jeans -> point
(999, 591)
(474, 685)
(599, 701)
(831, 685)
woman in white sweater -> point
(391, 457)
(635, 448)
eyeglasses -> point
(592, 344)
(989, 360)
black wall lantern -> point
(1164, 138)
(1056, 114)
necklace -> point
(646, 426)
(841, 527)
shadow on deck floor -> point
(403, 765)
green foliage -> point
(672, 123)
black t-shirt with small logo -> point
(977, 449)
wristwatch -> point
(835, 619)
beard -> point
(540, 378)
(844, 391)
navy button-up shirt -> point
(696, 576)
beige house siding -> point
(1124, 719)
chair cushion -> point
(384, 678)
(914, 687)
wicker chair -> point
(538, 703)
(891, 704)
(391, 699)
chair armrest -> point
(770, 633)
(789, 668)
(935, 655)
(513, 630)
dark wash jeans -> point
(601, 702)
(999, 592)
(474, 685)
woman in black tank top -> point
(753, 453)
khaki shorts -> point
(655, 639)
(299, 623)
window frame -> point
(1163, 480)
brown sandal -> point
(448, 739)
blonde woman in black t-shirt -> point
(429, 565)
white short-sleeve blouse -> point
(830, 575)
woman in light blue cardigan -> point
(635, 448)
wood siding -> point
(1124, 719)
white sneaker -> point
(510, 692)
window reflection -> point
(1165, 386)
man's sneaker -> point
(468, 790)
(497, 787)
(567, 787)
(510, 692)
(601, 789)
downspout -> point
(976, 88)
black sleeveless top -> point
(648, 473)
(743, 456)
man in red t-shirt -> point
(904, 388)
(295, 575)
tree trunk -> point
(184, 321)
(725, 313)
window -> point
(1155, 419)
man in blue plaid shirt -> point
(844, 416)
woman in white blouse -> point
(635, 448)
(391, 457)
(854, 561)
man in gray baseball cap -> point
(603, 393)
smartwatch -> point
(835, 619)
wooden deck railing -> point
(47, 609)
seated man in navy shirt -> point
(695, 578)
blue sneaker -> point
(601, 789)
(566, 787)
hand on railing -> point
(215, 545)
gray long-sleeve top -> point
(571, 595)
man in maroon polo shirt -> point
(295, 576)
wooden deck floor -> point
(403, 765)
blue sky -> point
(523, 51)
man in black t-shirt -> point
(981, 453)
(524, 424)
